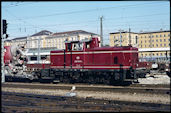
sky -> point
(28, 18)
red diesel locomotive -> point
(84, 61)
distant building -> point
(58, 39)
(33, 40)
(124, 39)
(7, 43)
(153, 46)
(16, 41)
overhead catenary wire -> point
(79, 11)
(96, 20)
(20, 19)
(90, 21)
(83, 11)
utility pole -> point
(129, 36)
(101, 30)
(120, 37)
(39, 50)
(150, 46)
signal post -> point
(3, 36)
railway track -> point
(36, 97)
(134, 88)
(20, 102)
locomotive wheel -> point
(91, 80)
(107, 78)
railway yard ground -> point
(150, 94)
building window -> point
(142, 55)
(157, 54)
(168, 34)
(156, 40)
(160, 35)
(164, 40)
(164, 35)
(156, 35)
(145, 36)
(156, 45)
(145, 45)
(145, 41)
(161, 45)
(160, 40)
(164, 45)
(161, 54)
(152, 36)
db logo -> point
(77, 57)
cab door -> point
(77, 56)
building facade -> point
(16, 41)
(58, 39)
(153, 46)
(7, 42)
(38, 39)
(124, 39)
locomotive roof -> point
(84, 40)
(112, 48)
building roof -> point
(123, 32)
(74, 32)
(43, 32)
(142, 32)
(19, 38)
(155, 32)
(7, 41)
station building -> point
(153, 46)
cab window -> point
(77, 46)
(69, 47)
